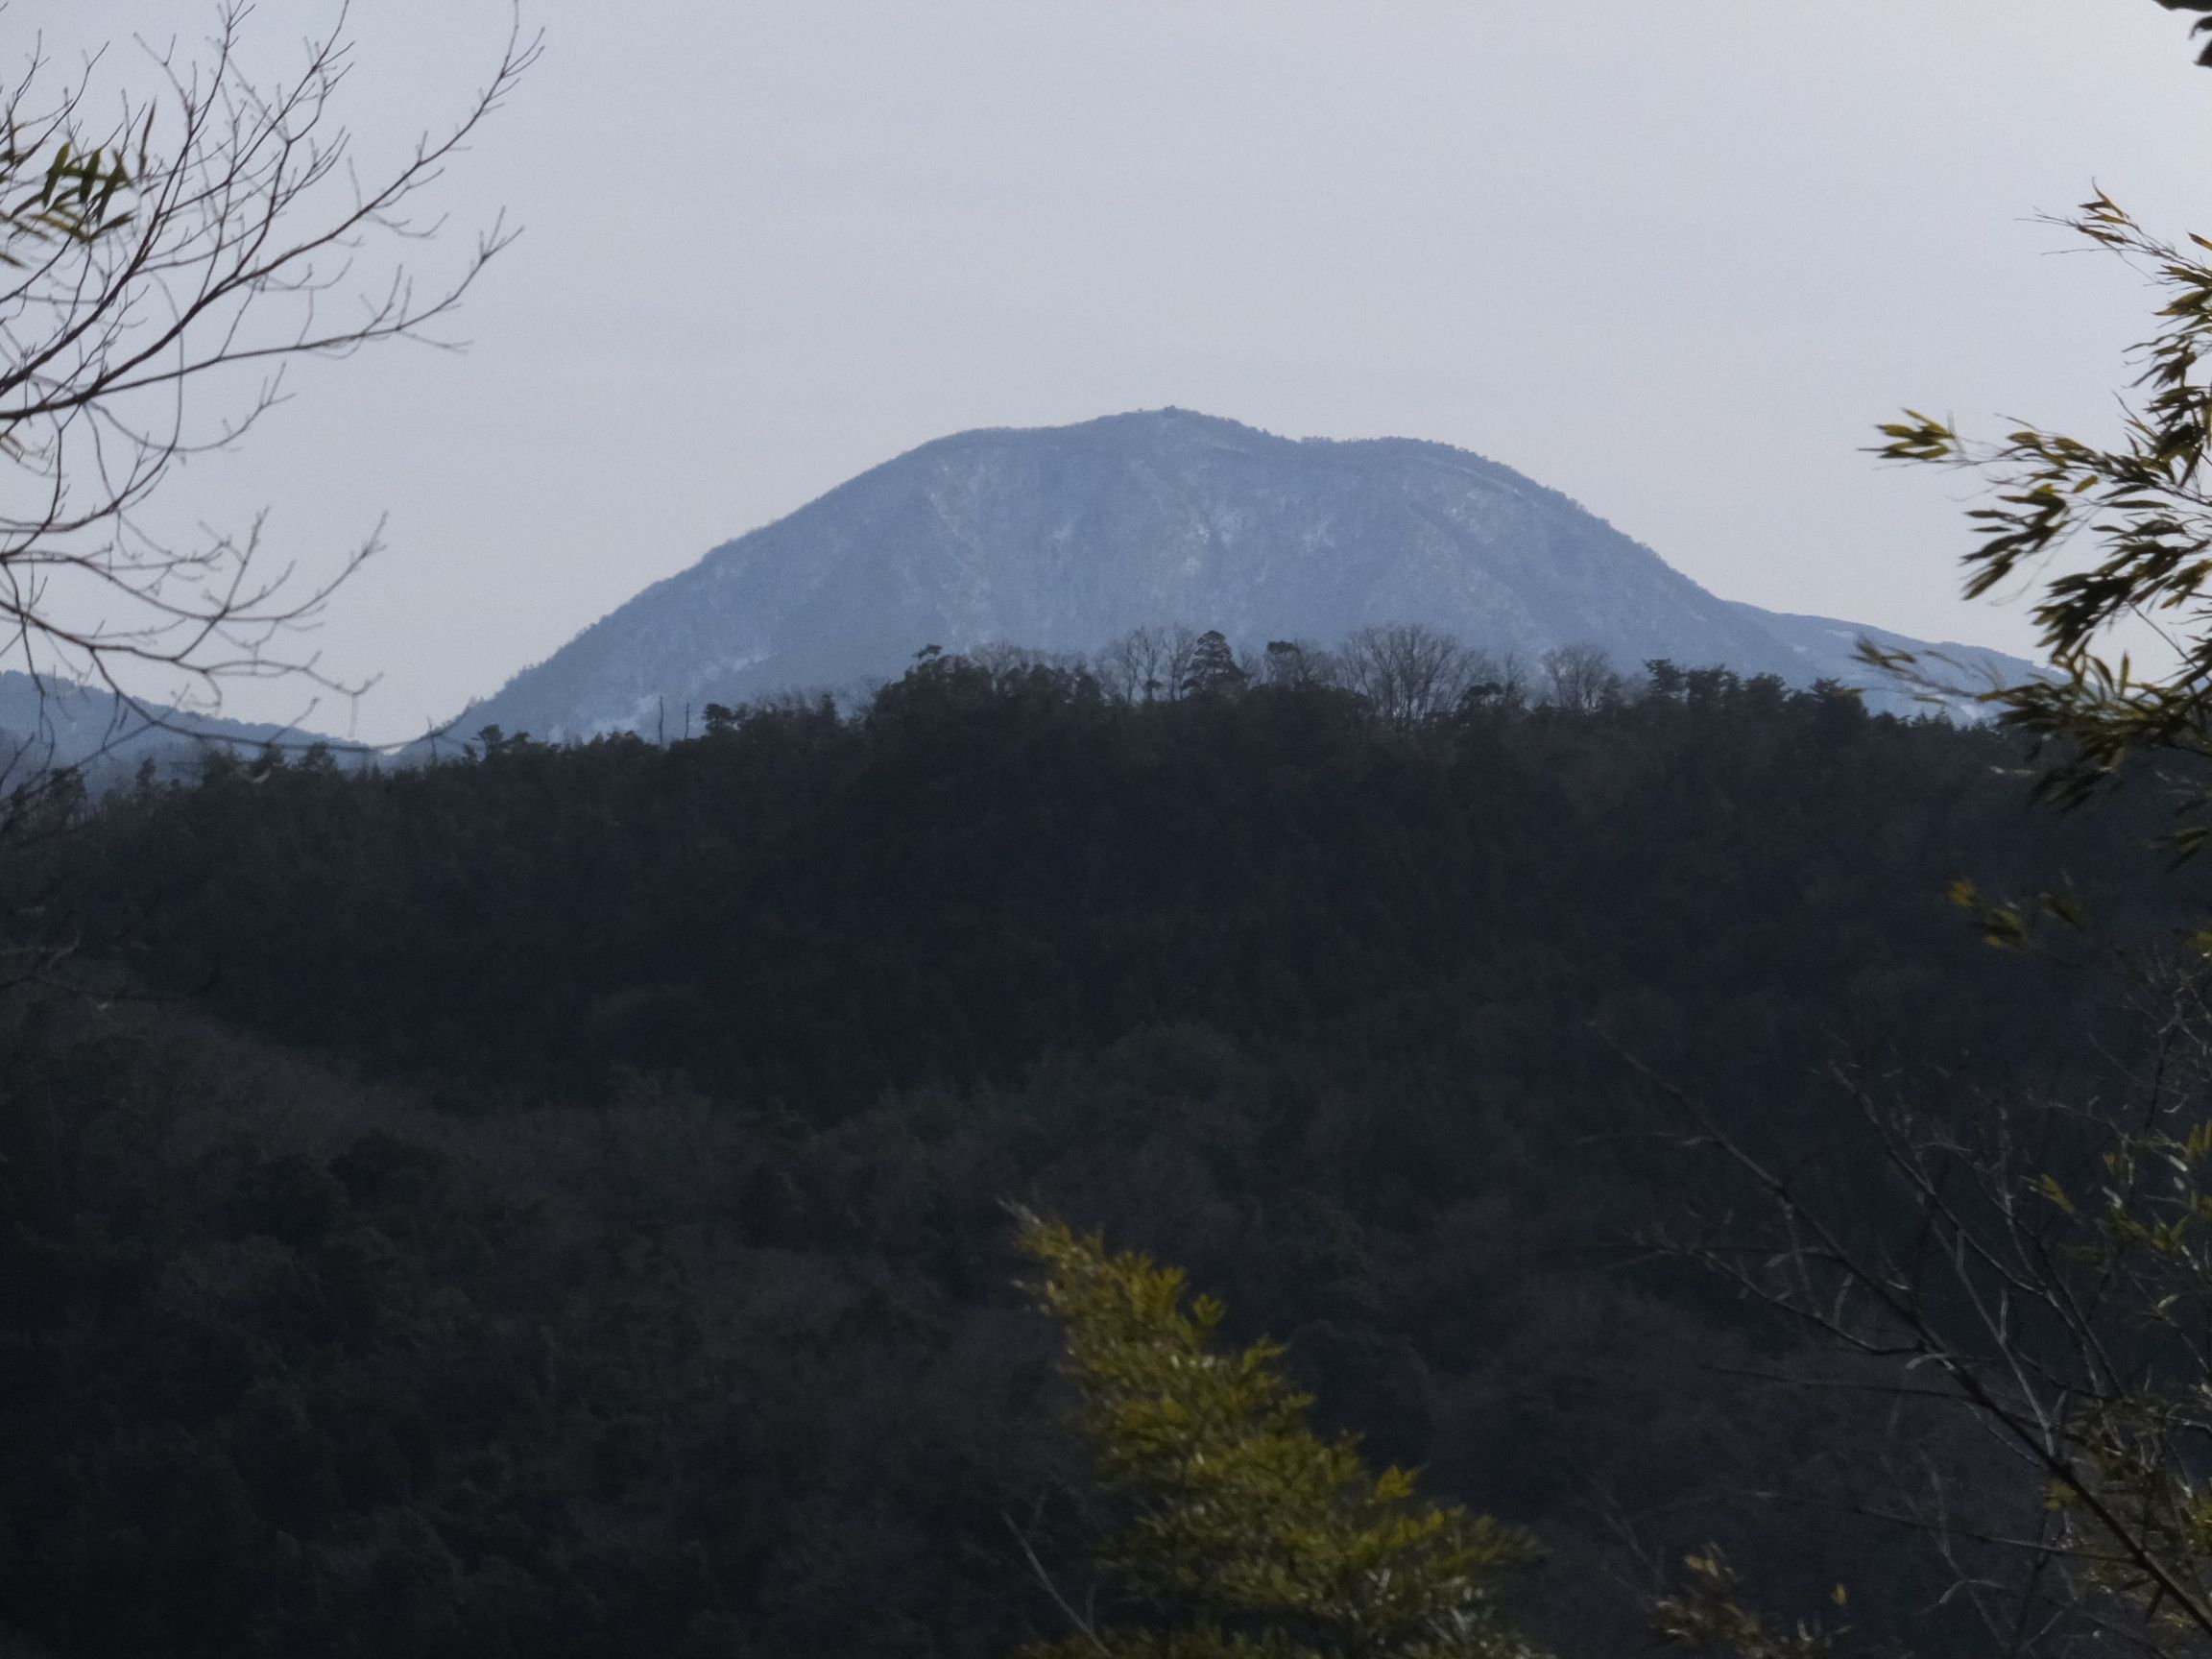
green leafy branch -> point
(74, 196)
(1248, 1532)
(2143, 507)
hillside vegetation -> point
(551, 1203)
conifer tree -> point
(1212, 670)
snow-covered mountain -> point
(1064, 538)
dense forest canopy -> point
(987, 866)
(551, 1203)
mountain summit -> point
(1064, 538)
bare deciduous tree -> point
(161, 271)
(1408, 673)
(1148, 665)
(1580, 678)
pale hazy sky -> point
(1672, 259)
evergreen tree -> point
(1212, 670)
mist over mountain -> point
(47, 722)
(1062, 538)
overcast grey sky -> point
(1672, 259)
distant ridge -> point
(47, 723)
(1064, 538)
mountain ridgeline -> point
(48, 723)
(1063, 539)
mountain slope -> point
(47, 722)
(1064, 538)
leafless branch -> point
(235, 237)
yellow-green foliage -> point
(1249, 1533)
(1705, 1612)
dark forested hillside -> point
(800, 910)
(553, 1205)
